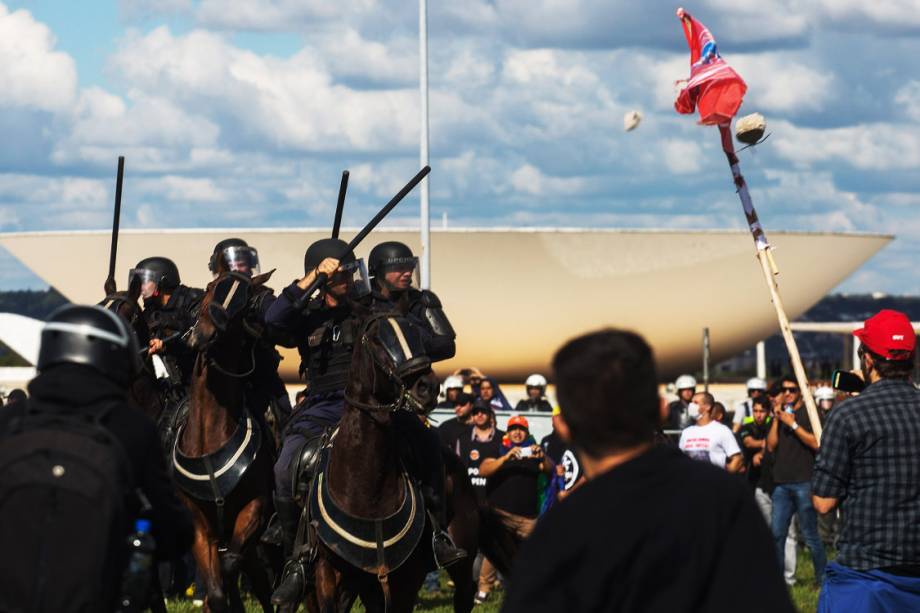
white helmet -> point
(685, 382)
(824, 393)
(535, 381)
(756, 383)
(453, 382)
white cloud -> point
(681, 156)
(909, 99)
(531, 181)
(32, 73)
(869, 146)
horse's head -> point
(222, 308)
(126, 304)
(390, 368)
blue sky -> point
(244, 113)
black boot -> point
(293, 581)
(443, 547)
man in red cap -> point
(869, 464)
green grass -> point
(804, 595)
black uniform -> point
(439, 344)
(71, 388)
(179, 314)
(540, 404)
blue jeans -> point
(789, 499)
(867, 591)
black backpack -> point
(64, 479)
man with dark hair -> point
(869, 464)
(613, 545)
(794, 446)
(708, 439)
(454, 428)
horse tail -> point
(497, 541)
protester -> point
(455, 427)
(708, 439)
(63, 546)
(489, 393)
(512, 483)
(678, 411)
(759, 470)
(756, 388)
(535, 386)
(453, 386)
(794, 446)
(480, 442)
(565, 459)
(613, 545)
(720, 415)
(869, 465)
(15, 396)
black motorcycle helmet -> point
(219, 248)
(325, 248)
(388, 254)
(164, 268)
(90, 336)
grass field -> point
(804, 595)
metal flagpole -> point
(768, 266)
(424, 222)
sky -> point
(243, 113)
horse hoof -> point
(217, 602)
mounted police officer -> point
(324, 333)
(265, 388)
(170, 311)
(394, 268)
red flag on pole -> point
(714, 88)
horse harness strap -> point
(382, 570)
(218, 503)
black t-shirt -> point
(793, 459)
(473, 451)
(513, 488)
(560, 453)
(451, 430)
(676, 412)
(758, 476)
(658, 533)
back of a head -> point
(89, 336)
(607, 387)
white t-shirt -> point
(713, 442)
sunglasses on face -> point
(790, 390)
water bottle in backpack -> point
(135, 584)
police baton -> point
(322, 277)
(168, 339)
(110, 285)
(340, 205)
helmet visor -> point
(244, 260)
(351, 279)
(149, 280)
(400, 273)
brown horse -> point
(367, 512)
(222, 465)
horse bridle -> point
(405, 399)
(212, 361)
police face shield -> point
(400, 273)
(149, 281)
(244, 260)
(350, 279)
(403, 344)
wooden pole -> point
(770, 271)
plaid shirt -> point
(870, 460)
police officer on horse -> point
(265, 389)
(324, 334)
(170, 311)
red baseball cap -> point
(888, 331)
(518, 420)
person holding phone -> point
(512, 480)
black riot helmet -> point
(219, 248)
(350, 268)
(325, 248)
(237, 255)
(90, 336)
(388, 255)
(157, 274)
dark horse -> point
(374, 539)
(221, 462)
